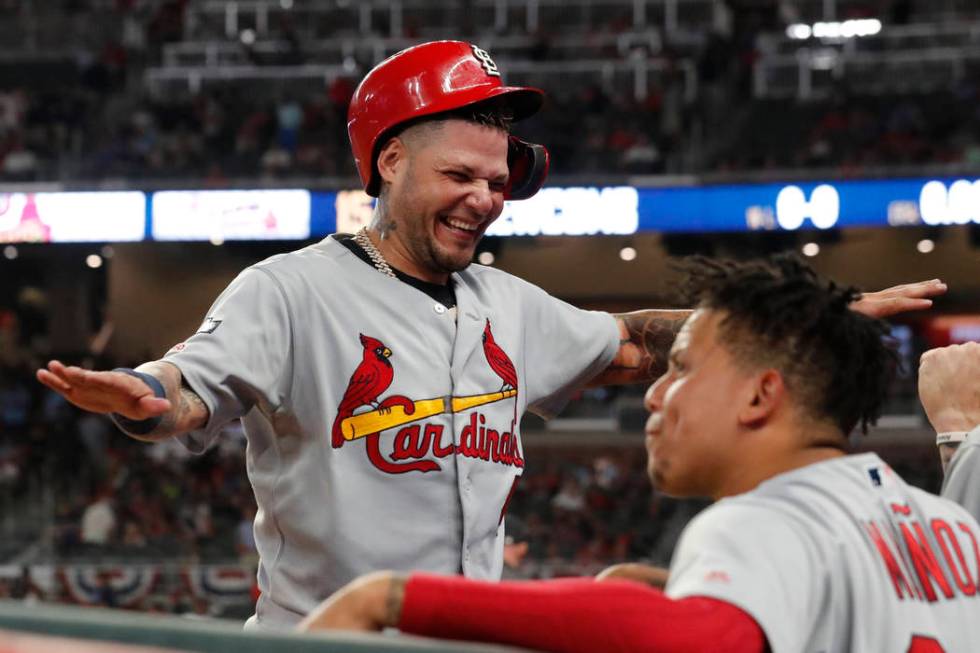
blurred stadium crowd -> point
(144, 98)
(120, 104)
(216, 136)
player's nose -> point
(653, 399)
(480, 198)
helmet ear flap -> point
(528, 165)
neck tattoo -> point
(377, 258)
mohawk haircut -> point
(778, 313)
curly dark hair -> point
(835, 362)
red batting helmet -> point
(434, 78)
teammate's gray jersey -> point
(841, 555)
(318, 352)
(962, 482)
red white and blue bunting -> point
(121, 586)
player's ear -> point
(392, 159)
(765, 391)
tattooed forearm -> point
(190, 409)
(188, 412)
(645, 339)
(652, 332)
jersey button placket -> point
(439, 308)
(466, 485)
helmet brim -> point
(523, 101)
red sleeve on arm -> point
(575, 615)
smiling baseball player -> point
(380, 377)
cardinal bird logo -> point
(499, 360)
(501, 364)
(369, 380)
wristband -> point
(951, 437)
(141, 426)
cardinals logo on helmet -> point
(488, 64)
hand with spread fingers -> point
(899, 299)
(103, 392)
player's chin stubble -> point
(447, 261)
(429, 254)
(423, 243)
(439, 257)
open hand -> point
(899, 299)
(103, 392)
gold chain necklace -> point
(380, 264)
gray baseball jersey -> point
(962, 482)
(382, 428)
(840, 555)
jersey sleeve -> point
(564, 347)
(962, 482)
(757, 559)
(238, 358)
(575, 615)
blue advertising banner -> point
(298, 214)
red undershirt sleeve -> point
(575, 615)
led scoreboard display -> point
(610, 210)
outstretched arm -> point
(567, 615)
(646, 336)
(180, 411)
